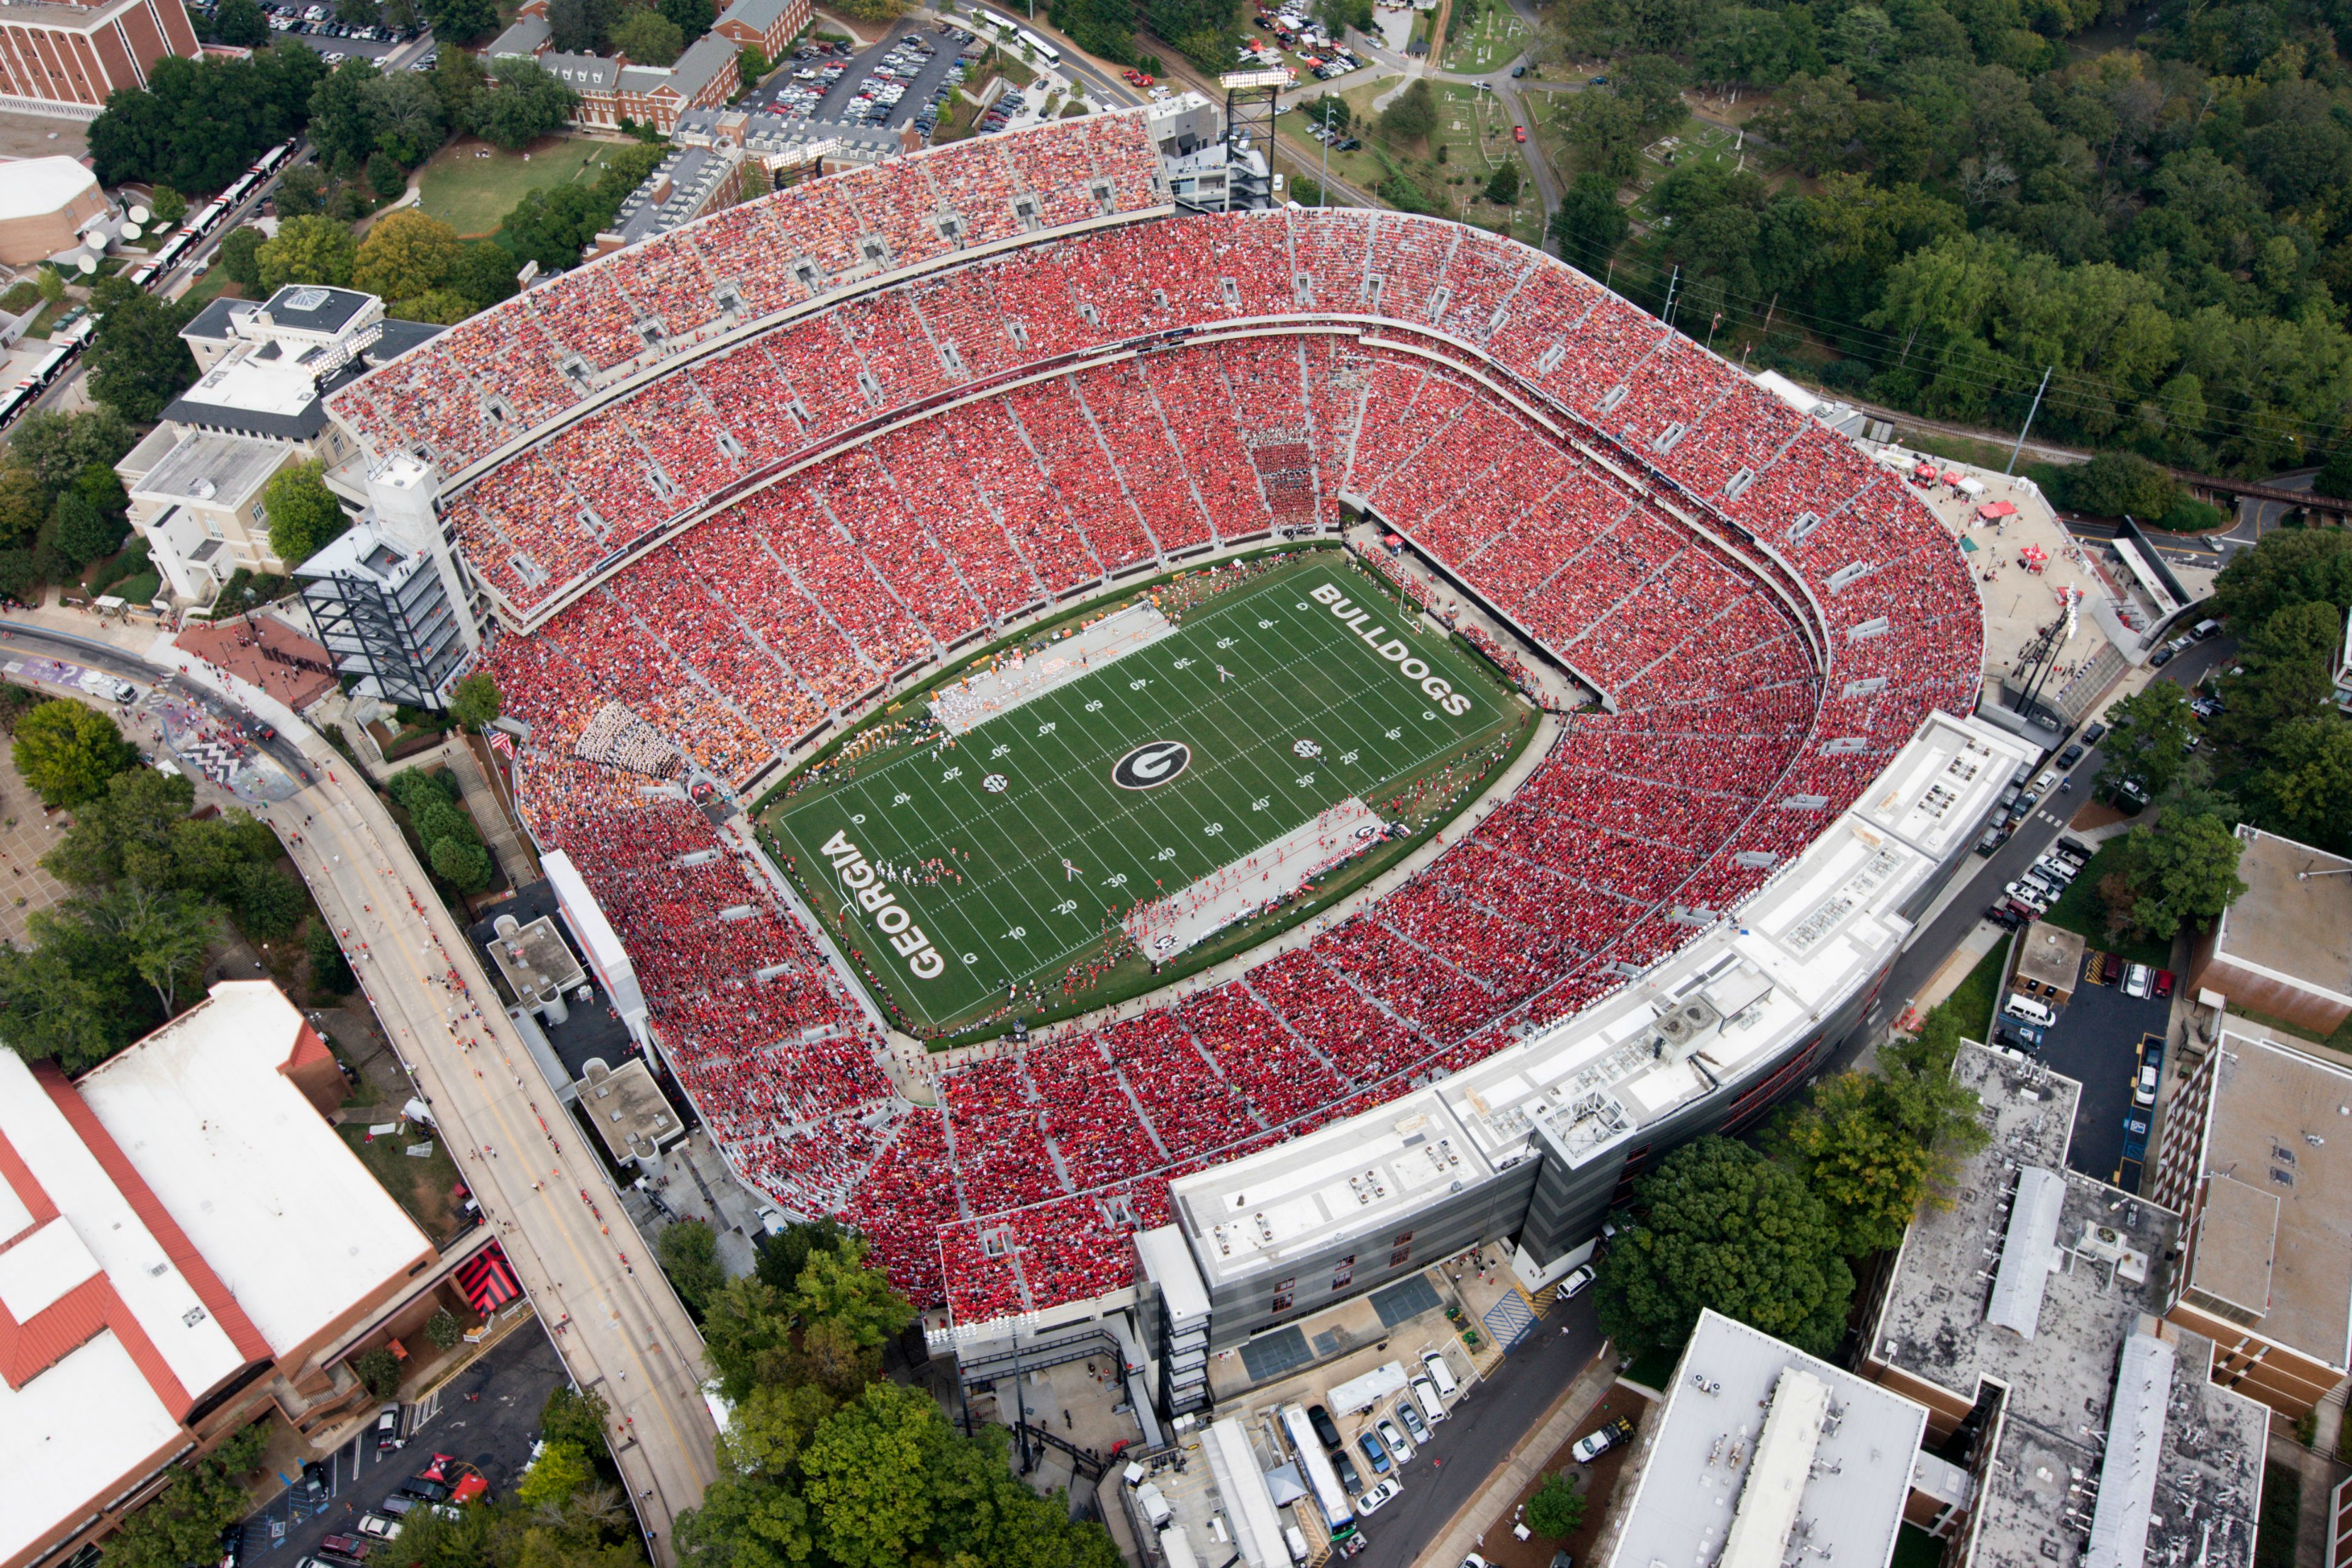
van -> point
(1438, 1372)
(1425, 1395)
(2021, 1006)
(2205, 629)
(1295, 1540)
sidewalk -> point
(1472, 1520)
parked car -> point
(2093, 733)
(2164, 985)
(2138, 980)
(1594, 1444)
(2023, 1035)
(1373, 1453)
(2071, 755)
(380, 1527)
(1412, 1421)
(1393, 1441)
(1519, 133)
(428, 1490)
(349, 1548)
(1327, 1431)
(2162, 657)
(2144, 1083)
(1577, 1281)
(1380, 1496)
(1349, 1477)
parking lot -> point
(2096, 1041)
(892, 83)
(487, 1417)
(315, 24)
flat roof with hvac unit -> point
(2284, 947)
(1763, 1451)
(2014, 1314)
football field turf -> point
(1267, 704)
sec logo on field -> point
(1151, 764)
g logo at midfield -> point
(1151, 764)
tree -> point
(485, 274)
(476, 700)
(2290, 566)
(342, 124)
(406, 254)
(183, 1522)
(84, 532)
(308, 250)
(67, 752)
(303, 512)
(781, 1256)
(560, 1470)
(552, 226)
(1871, 1145)
(72, 998)
(573, 1418)
(385, 177)
(1726, 1229)
(2183, 868)
(2335, 476)
(329, 970)
(1503, 185)
(302, 191)
(460, 21)
(692, 18)
(1557, 1510)
(522, 104)
(408, 118)
(746, 1331)
(379, 1370)
(1605, 135)
(465, 866)
(269, 903)
(1332, 112)
(1652, 86)
(443, 1329)
(61, 448)
(2304, 788)
(2113, 483)
(164, 935)
(168, 205)
(838, 1287)
(648, 37)
(2148, 733)
(137, 362)
(2287, 672)
(240, 22)
(1413, 116)
(238, 256)
(688, 1251)
(752, 66)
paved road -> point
(1483, 1428)
(1984, 878)
(621, 1329)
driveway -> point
(488, 1415)
(1491, 1419)
(2095, 1042)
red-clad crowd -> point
(1745, 587)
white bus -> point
(1321, 1479)
(1039, 46)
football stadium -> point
(1173, 764)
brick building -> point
(186, 1247)
(612, 89)
(61, 59)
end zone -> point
(1267, 874)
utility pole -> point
(2030, 413)
(1671, 284)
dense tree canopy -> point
(2162, 220)
(1720, 1225)
(303, 512)
(137, 362)
(198, 124)
(522, 104)
(67, 752)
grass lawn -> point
(1282, 710)
(208, 288)
(1473, 132)
(1692, 142)
(472, 186)
(426, 1188)
(1972, 1004)
(2080, 909)
(1488, 43)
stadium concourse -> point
(904, 406)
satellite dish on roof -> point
(130, 231)
(86, 264)
(139, 214)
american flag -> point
(501, 742)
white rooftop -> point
(35, 187)
(247, 1166)
(1729, 1001)
(255, 386)
(1762, 1451)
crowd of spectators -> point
(1615, 551)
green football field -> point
(1044, 843)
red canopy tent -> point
(1993, 510)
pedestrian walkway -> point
(1510, 1320)
(489, 814)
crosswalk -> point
(1510, 1320)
